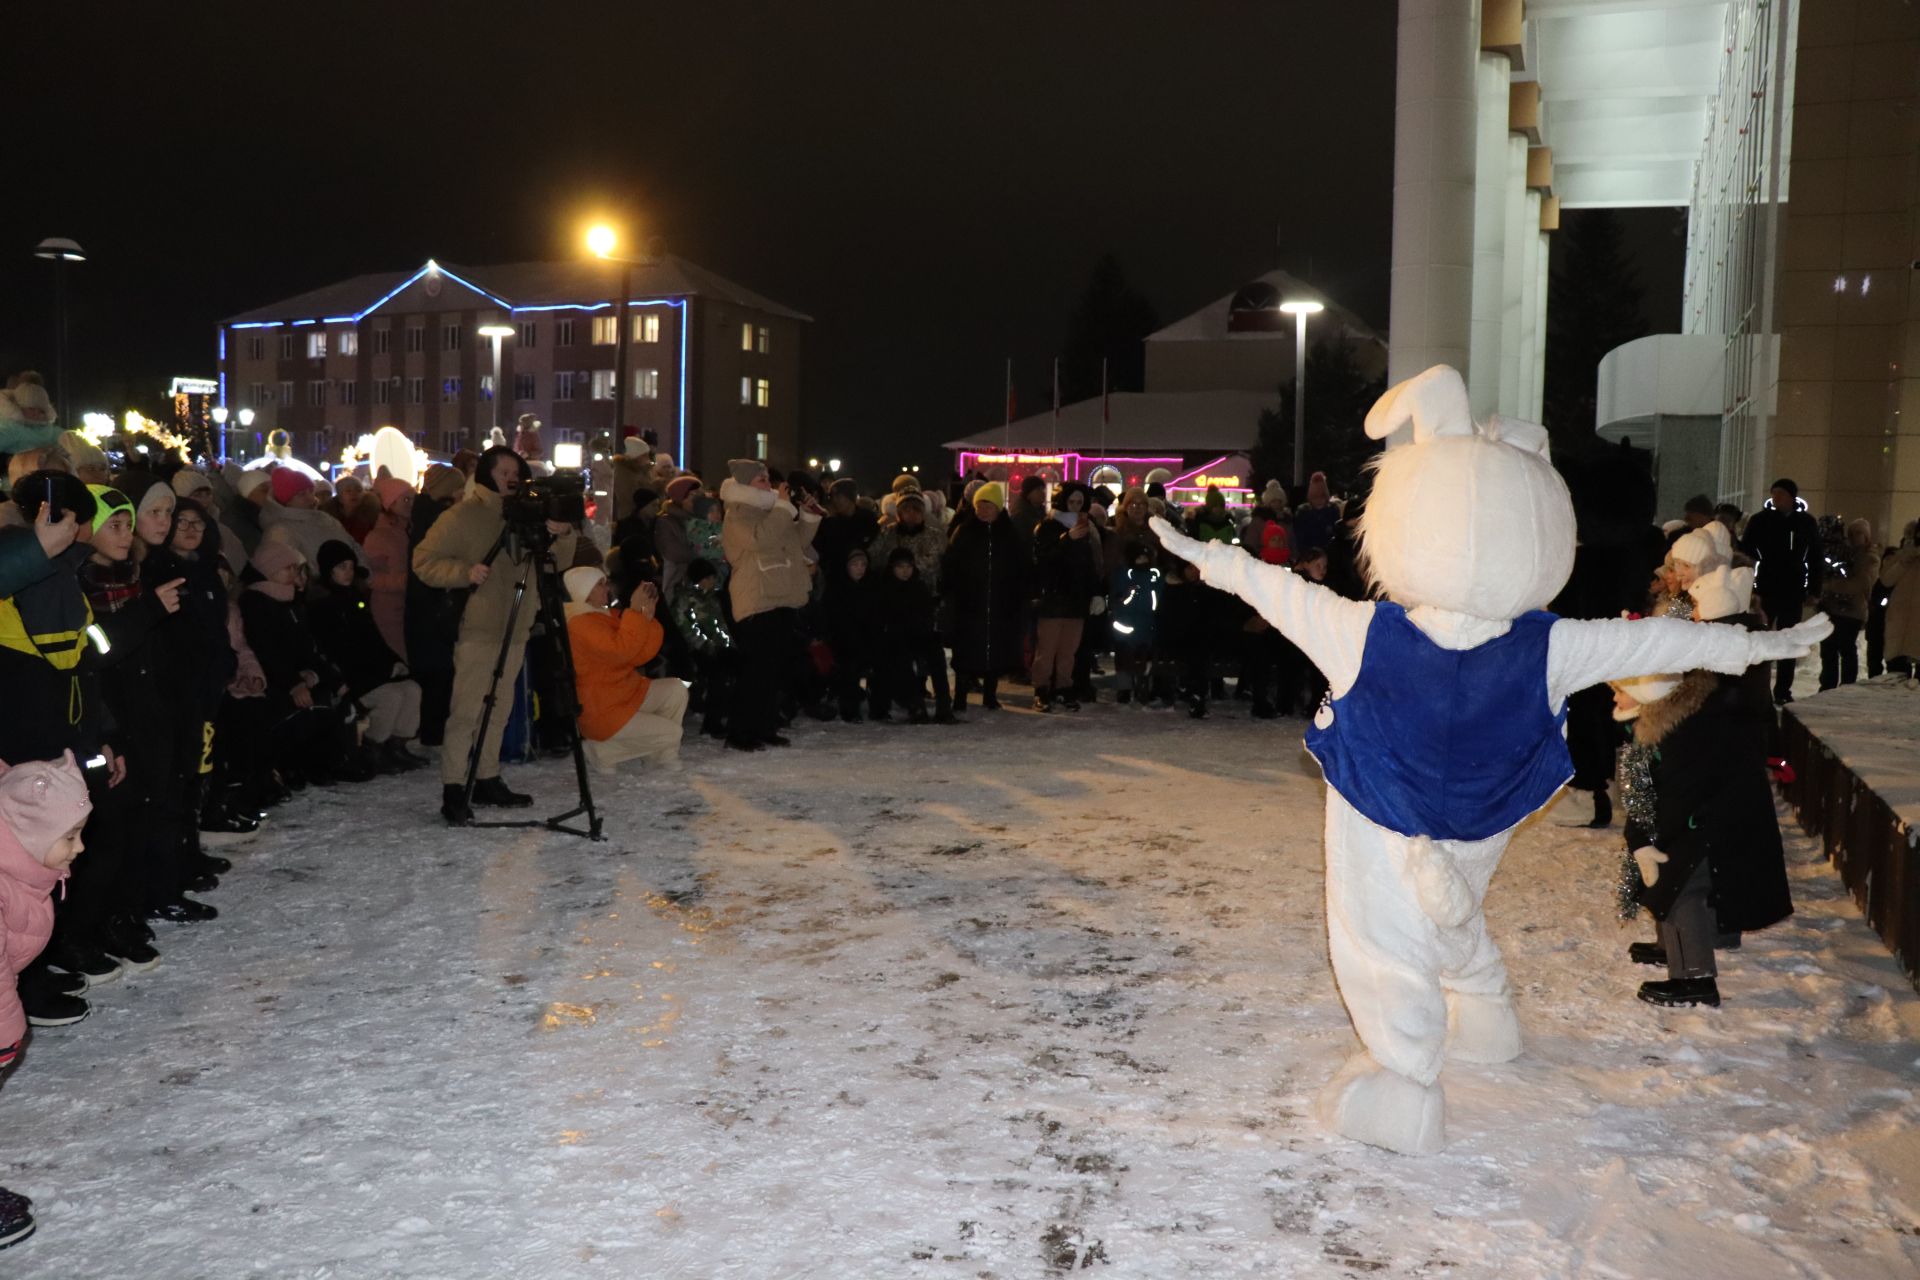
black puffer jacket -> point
(196, 639)
(983, 583)
(1066, 570)
(343, 626)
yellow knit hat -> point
(992, 491)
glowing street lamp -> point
(833, 465)
(59, 251)
(1300, 311)
(601, 242)
(494, 332)
(246, 422)
(220, 421)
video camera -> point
(561, 497)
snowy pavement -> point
(1011, 999)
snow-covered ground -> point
(1004, 1000)
(1875, 728)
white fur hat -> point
(1704, 548)
(635, 447)
(1722, 592)
(580, 582)
(1644, 689)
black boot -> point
(16, 1217)
(1648, 953)
(495, 792)
(990, 694)
(1603, 811)
(183, 910)
(1676, 993)
(453, 805)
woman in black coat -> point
(432, 615)
(983, 581)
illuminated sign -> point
(1218, 482)
(194, 387)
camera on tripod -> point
(561, 498)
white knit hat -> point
(1644, 689)
(580, 582)
(1704, 548)
(1723, 592)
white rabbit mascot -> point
(1444, 729)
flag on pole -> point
(1009, 421)
(1056, 403)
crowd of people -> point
(187, 647)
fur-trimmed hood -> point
(1658, 719)
(732, 492)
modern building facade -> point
(1789, 131)
(713, 369)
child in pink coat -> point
(43, 806)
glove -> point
(1650, 860)
(1793, 642)
(1097, 606)
(1175, 541)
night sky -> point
(933, 191)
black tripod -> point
(548, 592)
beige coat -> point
(1901, 571)
(459, 540)
(766, 542)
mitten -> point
(1650, 860)
(1794, 642)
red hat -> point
(289, 483)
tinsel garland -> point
(1636, 797)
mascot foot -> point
(1481, 1028)
(1382, 1108)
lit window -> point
(563, 333)
(256, 347)
(760, 446)
(382, 341)
(286, 393)
(762, 393)
(746, 337)
(523, 386)
(603, 384)
(316, 346)
(529, 334)
(605, 330)
(349, 392)
(646, 328)
(563, 386)
(763, 340)
(746, 391)
(486, 386)
(450, 337)
(350, 343)
(416, 390)
(286, 346)
(450, 391)
(416, 338)
(646, 384)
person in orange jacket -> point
(623, 715)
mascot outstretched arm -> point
(1444, 729)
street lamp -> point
(246, 422)
(220, 420)
(494, 332)
(59, 251)
(1300, 311)
(601, 242)
(833, 465)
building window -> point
(349, 392)
(646, 384)
(350, 343)
(760, 446)
(450, 391)
(563, 386)
(523, 386)
(603, 384)
(256, 347)
(605, 330)
(416, 338)
(256, 394)
(762, 393)
(320, 447)
(563, 333)
(317, 391)
(646, 328)
(486, 386)
(382, 341)
(316, 346)
(286, 346)
(746, 337)
(450, 337)
(286, 393)
(382, 392)
(416, 390)
(453, 441)
(529, 334)
(763, 340)
(746, 391)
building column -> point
(1539, 353)
(1529, 237)
(1490, 176)
(1511, 289)
(1434, 133)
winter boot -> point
(453, 805)
(990, 694)
(88, 962)
(126, 942)
(16, 1217)
(183, 910)
(1043, 700)
(1650, 953)
(47, 1005)
(1677, 993)
(494, 791)
(1603, 812)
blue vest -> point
(1452, 744)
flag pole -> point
(1006, 404)
(1056, 411)
(1105, 407)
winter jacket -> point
(1786, 548)
(306, 530)
(48, 667)
(1023, 518)
(674, 548)
(698, 617)
(838, 535)
(1133, 602)
(853, 621)
(344, 627)
(983, 581)
(906, 612)
(433, 613)
(281, 637)
(136, 677)
(609, 648)
(929, 546)
(1313, 527)
(1066, 570)
(1712, 800)
(461, 539)
(26, 922)
(198, 655)
(766, 542)
(1209, 524)
(1845, 594)
(1900, 570)
(389, 563)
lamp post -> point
(59, 251)
(220, 421)
(246, 423)
(1300, 311)
(495, 332)
(601, 240)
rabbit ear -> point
(1435, 402)
(1519, 433)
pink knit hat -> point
(680, 486)
(41, 800)
(271, 556)
(288, 483)
(390, 489)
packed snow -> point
(1017, 998)
(1875, 728)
